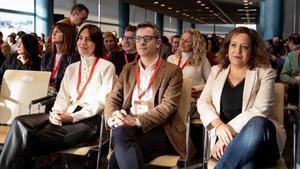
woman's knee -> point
(259, 127)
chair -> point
(184, 108)
(18, 88)
(278, 114)
(83, 151)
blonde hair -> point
(199, 47)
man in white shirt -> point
(142, 108)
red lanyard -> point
(55, 67)
(80, 93)
(107, 55)
(298, 56)
(126, 59)
(179, 62)
(138, 81)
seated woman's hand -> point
(225, 133)
(218, 150)
(195, 93)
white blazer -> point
(258, 100)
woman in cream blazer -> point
(236, 104)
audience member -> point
(74, 120)
(191, 58)
(128, 54)
(110, 45)
(290, 73)
(61, 55)
(142, 112)
(26, 57)
(175, 43)
(79, 14)
(236, 104)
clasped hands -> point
(60, 117)
(225, 135)
(119, 118)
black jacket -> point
(12, 62)
(47, 65)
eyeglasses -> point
(127, 38)
(145, 38)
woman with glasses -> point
(26, 57)
(61, 54)
(74, 120)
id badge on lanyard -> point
(141, 107)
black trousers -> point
(31, 136)
(132, 148)
(293, 94)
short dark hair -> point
(295, 39)
(130, 28)
(176, 36)
(156, 29)
(79, 8)
(96, 36)
(20, 33)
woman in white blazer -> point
(236, 104)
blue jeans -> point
(255, 145)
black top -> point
(119, 61)
(47, 65)
(231, 100)
(12, 62)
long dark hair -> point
(69, 37)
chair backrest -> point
(278, 107)
(18, 88)
(185, 99)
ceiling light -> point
(206, 7)
(192, 17)
(156, 2)
(245, 4)
(246, 7)
(250, 3)
(183, 13)
(187, 15)
(245, 1)
(177, 11)
(162, 5)
(198, 2)
(211, 11)
(202, 4)
(169, 7)
(247, 14)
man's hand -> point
(218, 150)
(116, 119)
(119, 118)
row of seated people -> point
(140, 106)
